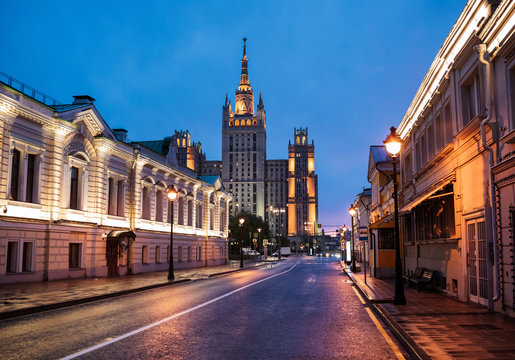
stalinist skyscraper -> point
(244, 147)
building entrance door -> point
(112, 256)
(477, 261)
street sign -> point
(265, 241)
(363, 233)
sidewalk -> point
(436, 326)
(30, 298)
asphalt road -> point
(296, 309)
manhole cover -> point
(480, 327)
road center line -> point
(137, 331)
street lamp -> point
(393, 145)
(259, 238)
(172, 195)
(241, 221)
(352, 212)
(343, 240)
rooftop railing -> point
(28, 90)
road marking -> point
(358, 295)
(385, 335)
(137, 331)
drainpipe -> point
(489, 103)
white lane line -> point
(137, 331)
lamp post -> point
(352, 212)
(343, 240)
(393, 144)
(172, 194)
(241, 221)
(259, 238)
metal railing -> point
(28, 90)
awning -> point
(427, 194)
(386, 222)
(121, 234)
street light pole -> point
(393, 144)
(352, 212)
(241, 221)
(343, 240)
(172, 194)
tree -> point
(250, 226)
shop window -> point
(27, 257)
(74, 256)
(12, 257)
(179, 254)
(435, 216)
(386, 239)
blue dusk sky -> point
(347, 70)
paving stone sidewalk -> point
(440, 327)
(27, 298)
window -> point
(222, 220)
(430, 142)
(448, 124)
(190, 213)
(24, 177)
(26, 265)
(74, 256)
(434, 218)
(439, 133)
(158, 254)
(386, 239)
(189, 253)
(120, 200)
(180, 203)
(15, 173)
(199, 216)
(12, 257)
(511, 98)
(406, 167)
(145, 203)
(74, 188)
(159, 205)
(211, 219)
(29, 191)
(144, 254)
(110, 197)
(76, 175)
(179, 254)
(199, 253)
(470, 100)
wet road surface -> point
(296, 309)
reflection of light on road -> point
(150, 326)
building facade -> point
(244, 147)
(302, 186)
(276, 195)
(77, 200)
(457, 173)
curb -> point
(414, 350)
(59, 305)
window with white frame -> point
(24, 173)
(190, 212)
(120, 199)
(199, 216)
(20, 256)
(211, 219)
(76, 181)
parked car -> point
(252, 253)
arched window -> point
(303, 140)
(298, 140)
(237, 123)
(248, 122)
(254, 122)
(183, 142)
(159, 205)
(230, 122)
(76, 181)
(145, 199)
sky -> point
(347, 70)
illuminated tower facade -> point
(302, 186)
(244, 147)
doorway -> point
(112, 256)
(477, 263)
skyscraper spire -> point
(260, 103)
(244, 79)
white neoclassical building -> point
(78, 200)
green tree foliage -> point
(250, 226)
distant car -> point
(252, 253)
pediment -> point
(89, 117)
